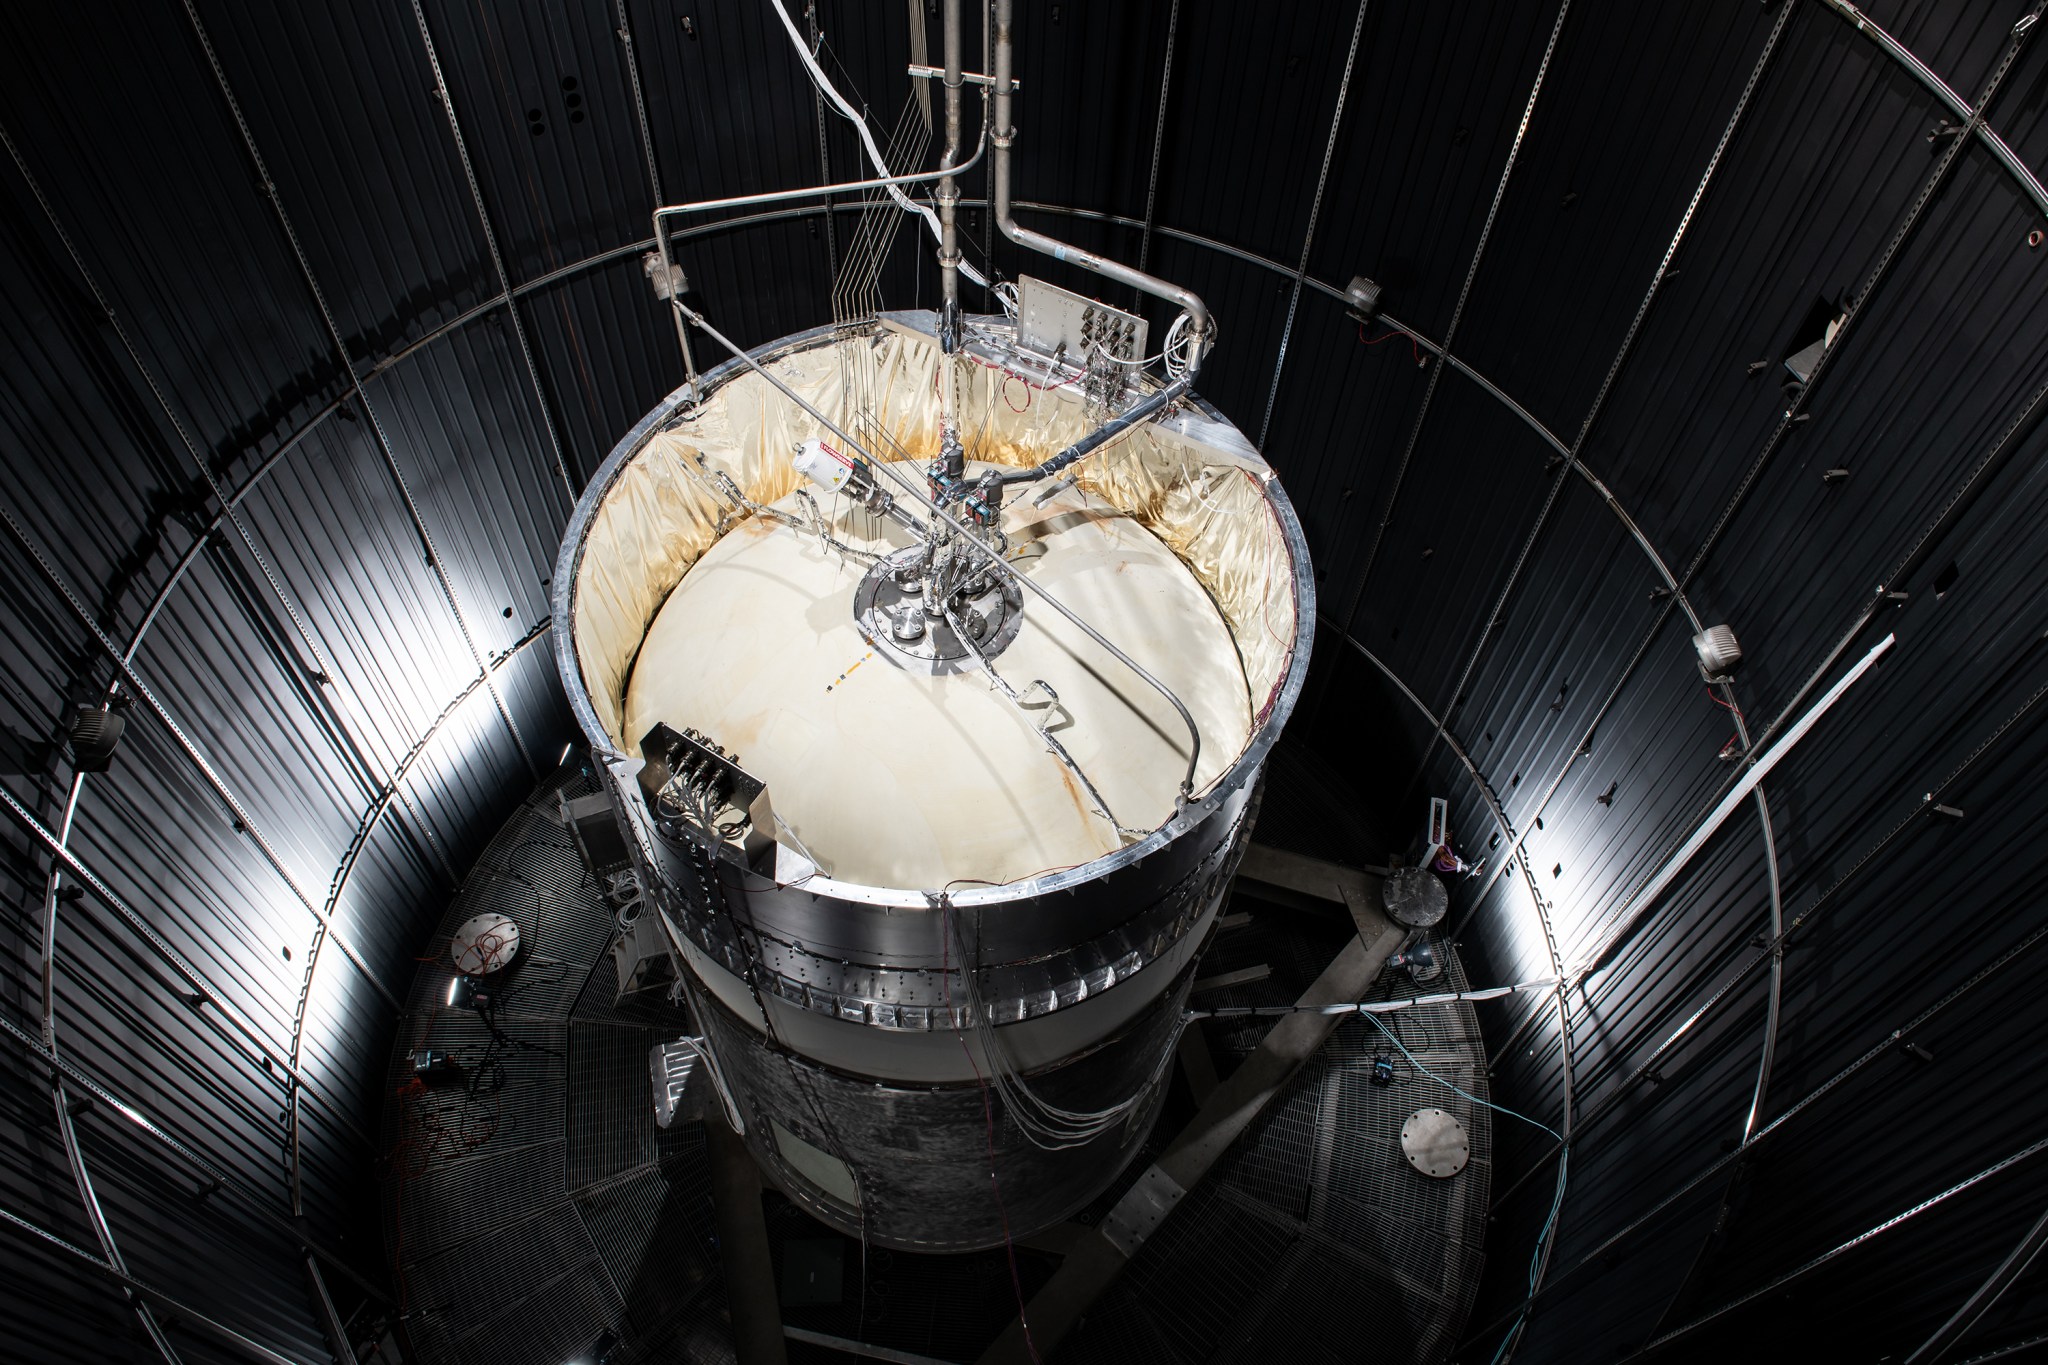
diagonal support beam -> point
(1100, 1255)
(757, 1331)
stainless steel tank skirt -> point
(934, 863)
(908, 1166)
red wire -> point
(1718, 702)
(1413, 349)
(988, 1118)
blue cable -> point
(1441, 1081)
(1556, 1201)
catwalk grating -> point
(532, 1206)
(549, 1193)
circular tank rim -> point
(570, 560)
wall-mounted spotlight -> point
(94, 733)
(1719, 653)
(1363, 299)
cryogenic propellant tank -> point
(931, 662)
(933, 862)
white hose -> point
(867, 139)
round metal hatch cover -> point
(1415, 897)
(888, 607)
(1435, 1143)
(484, 944)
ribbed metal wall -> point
(317, 561)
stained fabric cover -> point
(889, 777)
(1191, 482)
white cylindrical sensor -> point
(821, 463)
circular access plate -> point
(1415, 897)
(890, 613)
(484, 944)
(1435, 1143)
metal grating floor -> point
(530, 1212)
(527, 1219)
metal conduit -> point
(1005, 135)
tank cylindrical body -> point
(930, 1041)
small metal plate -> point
(1052, 320)
(1140, 1212)
(484, 944)
(1435, 1143)
(880, 602)
(670, 1066)
(1414, 897)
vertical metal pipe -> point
(948, 197)
(1002, 139)
(98, 1218)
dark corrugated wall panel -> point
(729, 104)
(1793, 221)
(1889, 392)
(1275, 129)
(1347, 400)
(1443, 560)
(1613, 154)
(1831, 153)
(1961, 43)
(82, 432)
(1925, 385)
(81, 1319)
(340, 100)
(612, 353)
(165, 227)
(547, 116)
(1433, 111)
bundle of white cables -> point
(867, 139)
(1044, 1124)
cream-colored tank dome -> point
(695, 612)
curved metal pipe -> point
(1919, 70)
(1004, 137)
(812, 191)
(185, 743)
(248, 1346)
(127, 1109)
(1883, 1047)
(390, 793)
(1814, 1263)
(1984, 1296)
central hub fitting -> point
(897, 612)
